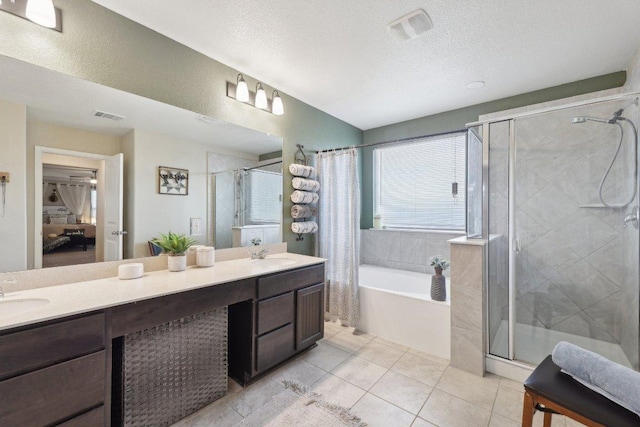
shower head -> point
(612, 121)
(582, 119)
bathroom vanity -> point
(61, 361)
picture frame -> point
(173, 181)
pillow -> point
(71, 219)
(58, 220)
(73, 232)
(52, 235)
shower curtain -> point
(73, 196)
(338, 237)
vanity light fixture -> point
(276, 105)
(41, 12)
(261, 97)
(242, 90)
(258, 99)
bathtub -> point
(396, 305)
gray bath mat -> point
(297, 406)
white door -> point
(113, 231)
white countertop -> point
(82, 297)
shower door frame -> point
(511, 118)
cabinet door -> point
(309, 316)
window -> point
(413, 183)
(94, 204)
(263, 197)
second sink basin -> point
(11, 307)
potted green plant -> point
(175, 245)
(438, 281)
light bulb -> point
(276, 106)
(41, 12)
(261, 97)
(242, 90)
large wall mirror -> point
(93, 152)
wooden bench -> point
(549, 390)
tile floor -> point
(384, 383)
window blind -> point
(413, 183)
(264, 197)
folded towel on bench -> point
(612, 380)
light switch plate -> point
(196, 226)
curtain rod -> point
(396, 141)
(261, 166)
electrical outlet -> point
(196, 226)
(5, 176)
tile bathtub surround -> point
(467, 307)
(404, 249)
(394, 394)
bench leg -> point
(547, 419)
(528, 409)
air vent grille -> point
(110, 116)
(410, 26)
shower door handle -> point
(516, 245)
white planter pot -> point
(177, 263)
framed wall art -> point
(173, 181)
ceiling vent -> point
(410, 26)
(110, 116)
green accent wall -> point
(269, 156)
(457, 119)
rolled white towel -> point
(306, 184)
(301, 170)
(616, 382)
(304, 197)
(303, 211)
(304, 227)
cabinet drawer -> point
(55, 393)
(92, 418)
(274, 347)
(275, 312)
(42, 346)
(280, 283)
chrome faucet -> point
(262, 254)
(632, 218)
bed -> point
(51, 243)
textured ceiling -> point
(337, 55)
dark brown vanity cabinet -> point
(54, 374)
(285, 318)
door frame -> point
(37, 219)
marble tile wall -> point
(404, 250)
(467, 307)
(576, 261)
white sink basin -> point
(11, 307)
(273, 262)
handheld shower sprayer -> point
(617, 117)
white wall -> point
(13, 226)
(155, 213)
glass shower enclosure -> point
(559, 213)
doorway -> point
(108, 203)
